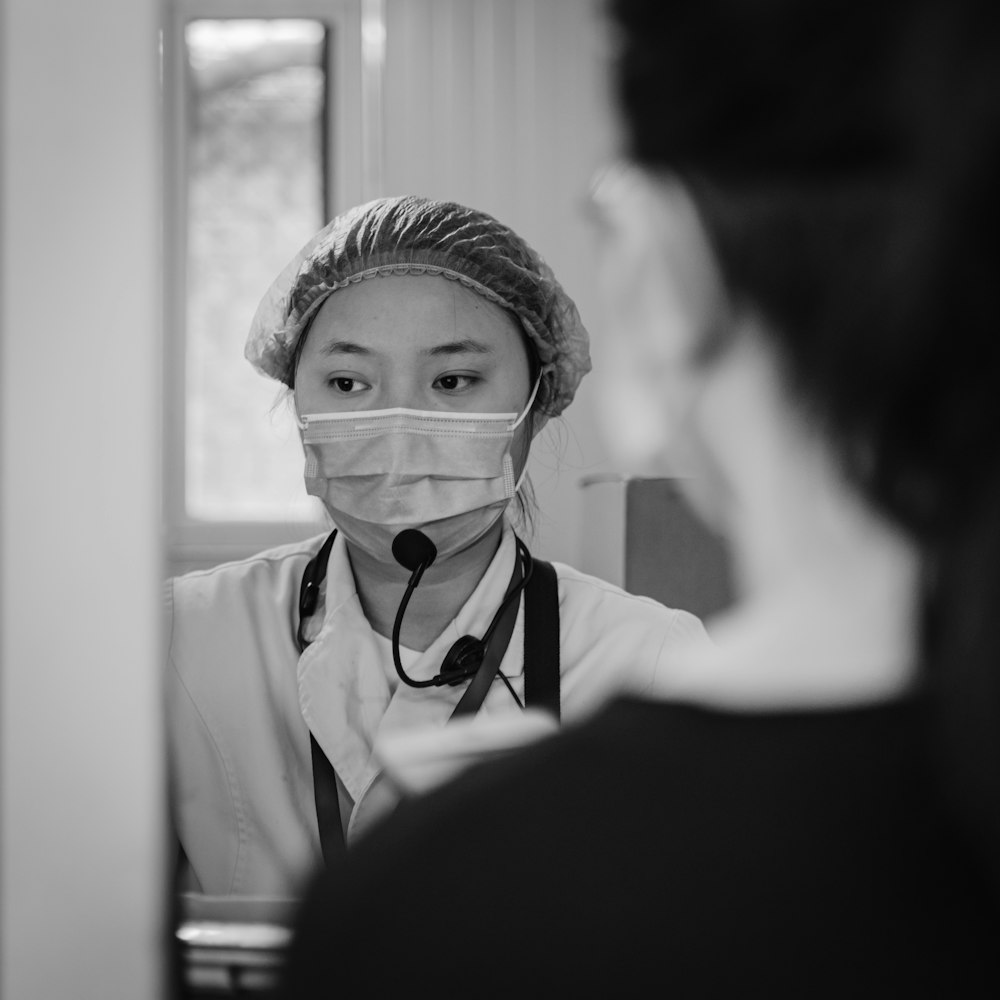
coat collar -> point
(343, 692)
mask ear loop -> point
(527, 407)
(517, 423)
(299, 422)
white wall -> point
(501, 105)
(82, 809)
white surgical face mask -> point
(451, 475)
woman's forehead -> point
(412, 311)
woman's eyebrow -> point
(459, 347)
(344, 347)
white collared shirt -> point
(241, 700)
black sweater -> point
(671, 850)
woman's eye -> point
(345, 384)
(455, 383)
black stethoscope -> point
(414, 551)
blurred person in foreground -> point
(800, 255)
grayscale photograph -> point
(499, 499)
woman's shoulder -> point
(219, 621)
(583, 593)
(271, 563)
(239, 587)
(612, 640)
(575, 583)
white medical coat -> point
(241, 700)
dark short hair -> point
(844, 158)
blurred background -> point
(276, 123)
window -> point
(257, 190)
(264, 144)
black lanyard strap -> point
(331, 828)
(479, 686)
(541, 639)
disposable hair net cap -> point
(411, 235)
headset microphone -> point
(414, 551)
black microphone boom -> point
(414, 551)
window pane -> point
(256, 192)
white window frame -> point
(356, 58)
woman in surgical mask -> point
(424, 345)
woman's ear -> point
(546, 390)
(663, 302)
(287, 395)
(661, 287)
